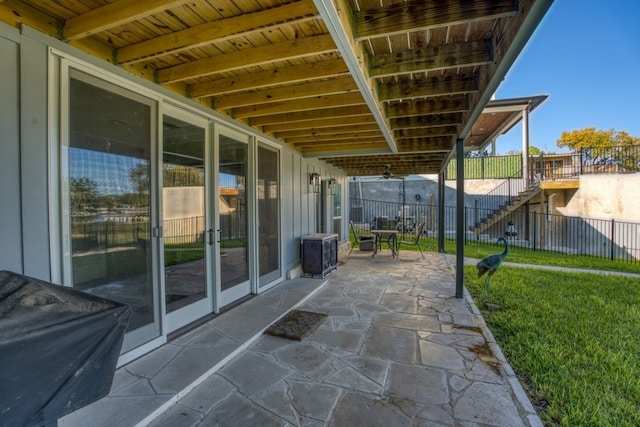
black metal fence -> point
(610, 239)
(607, 160)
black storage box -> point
(59, 348)
(319, 254)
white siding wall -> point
(10, 218)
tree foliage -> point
(534, 151)
(590, 138)
(604, 148)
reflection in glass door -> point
(184, 219)
(268, 199)
(233, 150)
(109, 199)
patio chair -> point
(361, 238)
(416, 238)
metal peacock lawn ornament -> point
(490, 264)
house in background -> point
(172, 155)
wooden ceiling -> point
(358, 83)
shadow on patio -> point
(397, 349)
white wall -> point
(606, 197)
(10, 212)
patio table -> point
(390, 237)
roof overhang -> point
(356, 83)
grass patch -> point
(528, 256)
(573, 338)
(181, 253)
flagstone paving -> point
(397, 349)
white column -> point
(525, 146)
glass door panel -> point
(233, 242)
(184, 221)
(268, 199)
(109, 194)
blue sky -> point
(585, 55)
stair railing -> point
(506, 193)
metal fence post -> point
(535, 231)
(613, 240)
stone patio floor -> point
(398, 349)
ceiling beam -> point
(303, 104)
(293, 74)
(317, 124)
(290, 49)
(329, 113)
(305, 90)
(426, 121)
(423, 107)
(444, 143)
(335, 129)
(427, 87)
(219, 30)
(425, 132)
(113, 15)
(432, 58)
(338, 136)
(417, 15)
(344, 145)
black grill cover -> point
(58, 349)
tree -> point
(534, 151)
(84, 195)
(589, 138)
(603, 147)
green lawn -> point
(574, 340)
(528, 256)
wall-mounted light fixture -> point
(333, 186)
(314, 181)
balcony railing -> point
(608, 160)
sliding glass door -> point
(185, 218)
(232, 231)
(268, 207)
(108, 180)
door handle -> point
(219, 236)
(210, 235)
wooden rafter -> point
(321, 113)
(426, 107)
(330, 130)
(426, 132)
(431, 58)
(219, 30)
(253, 81)
(331, 138)
(290, 49)
(113, 14)
(328, 101)
(316, 124)
(419, 15)
(304, 90)
(428, 87)
(426, 121)
(384, 83)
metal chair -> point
(416, 239)
(361, 238)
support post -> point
(525, 146)
(441, 213)
(460, 229)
